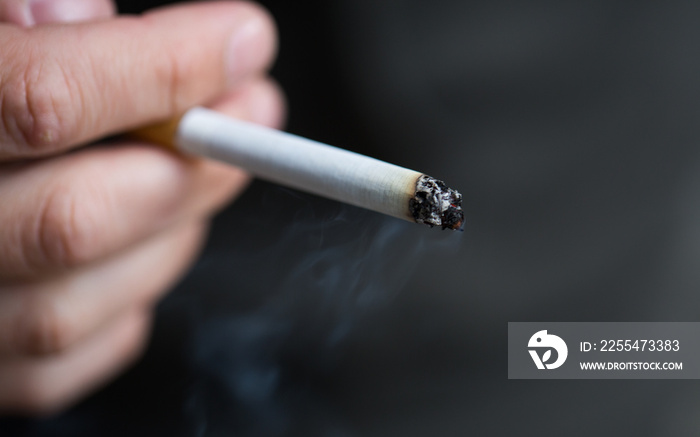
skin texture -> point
(91, 237)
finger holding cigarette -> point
(313, 167)
(89, 240)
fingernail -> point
(249, 49)
(60, 11)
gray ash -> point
(434, 204)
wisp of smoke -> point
(320, 274)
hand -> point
(91, 237)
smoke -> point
(262, 365)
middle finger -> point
(50, 317)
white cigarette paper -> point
(318, 168)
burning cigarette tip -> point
(435, 204)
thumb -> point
(85, 81)
(27, 13)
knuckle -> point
(64, 230)
(45, 329)
(34, 107)
(173, 73)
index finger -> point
(64, 85)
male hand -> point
(90, 238)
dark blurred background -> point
(571, 129)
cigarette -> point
(311, 166)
